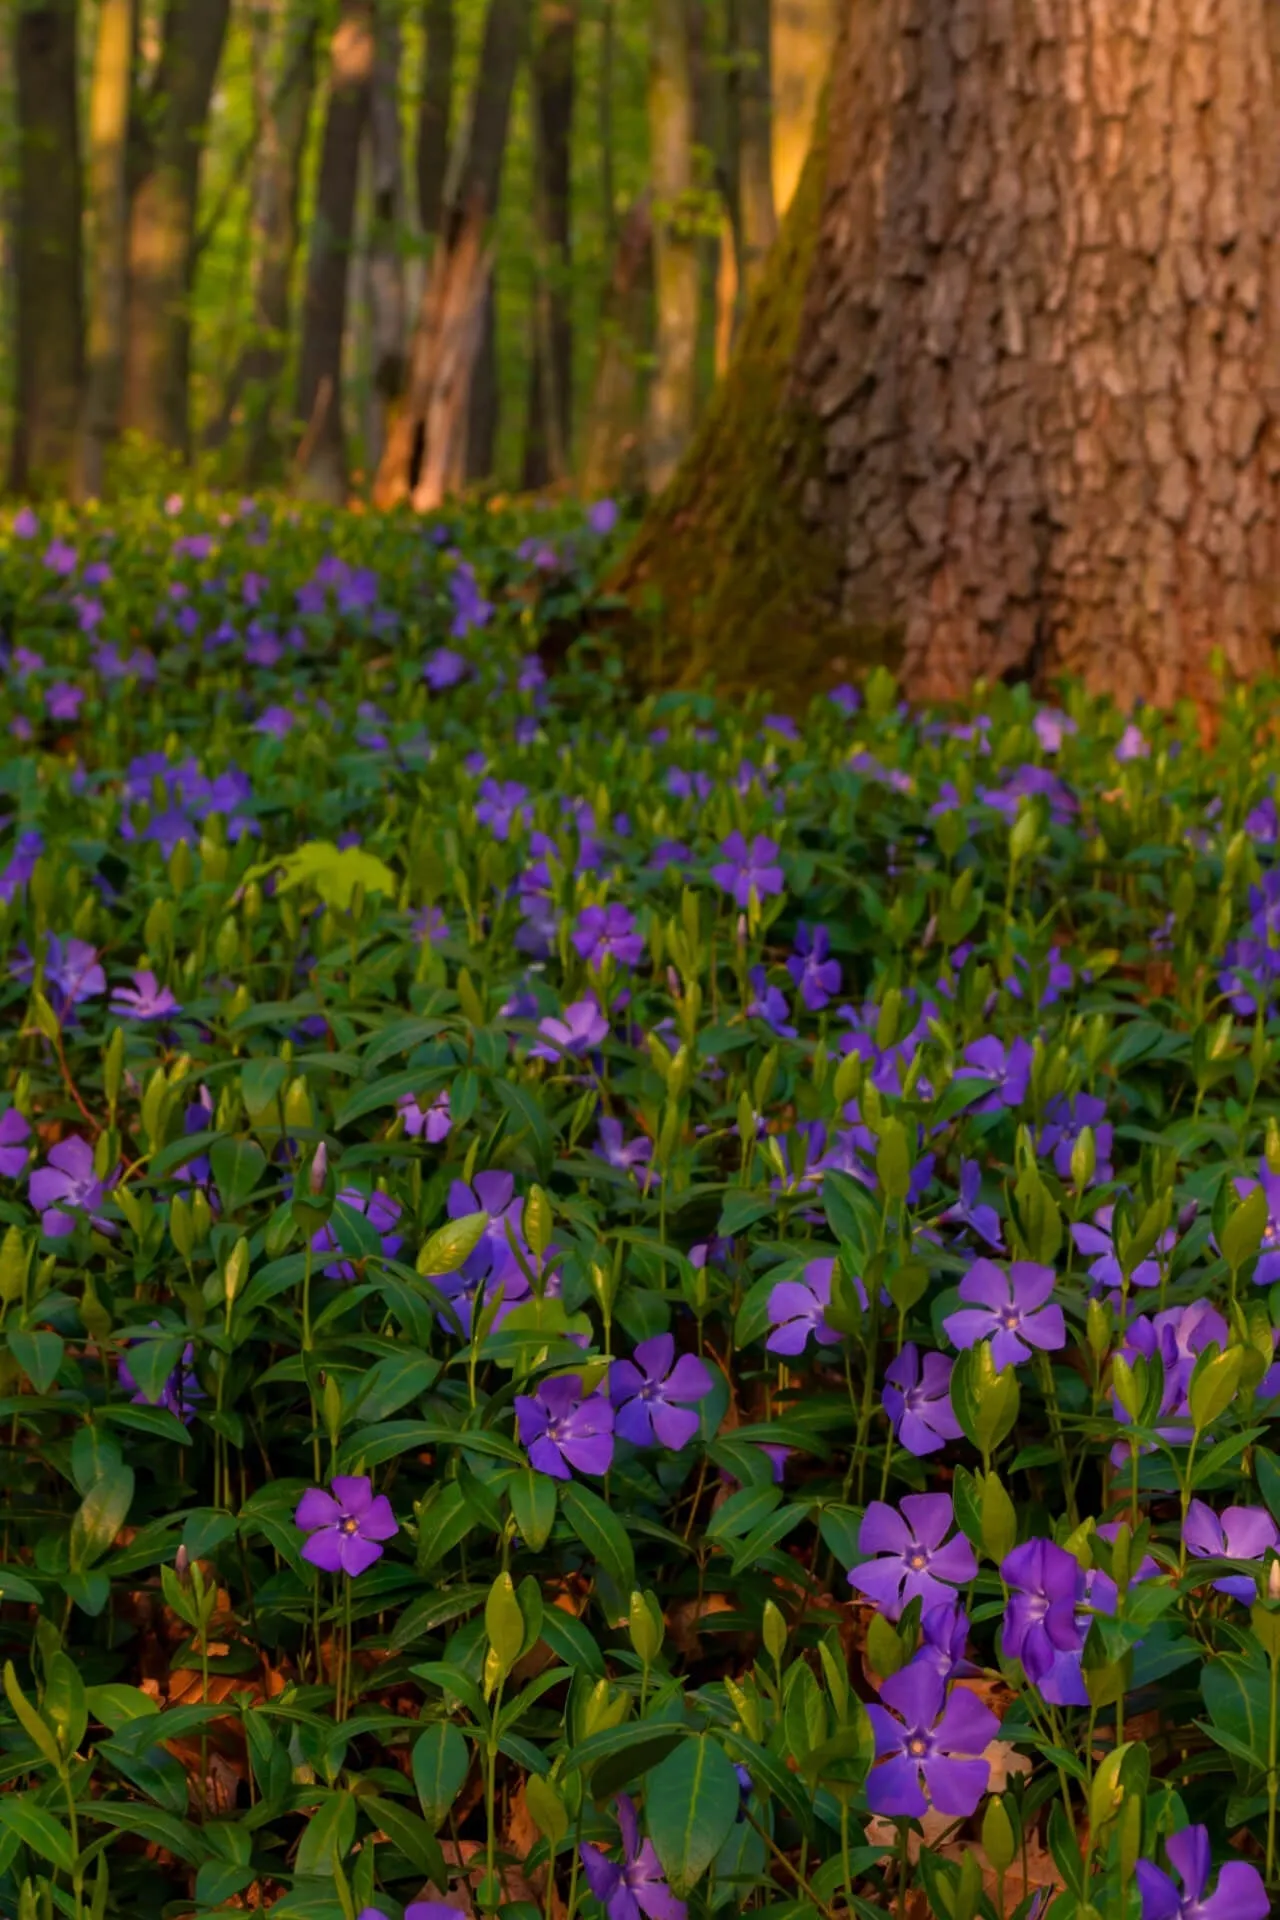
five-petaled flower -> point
(347, 1526)
(798, 1308)
(1009, 1309)
(146, 999)
(915, 1559)
(929, 1748)
(1239, 1894)
(651, 1393)
(1239, 1533)
(564, 1431)
(1041, 1618)
(917, 1399)
(634, 1885)
(743, 870)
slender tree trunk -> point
(428, 439)
(673, 392)
(386, 263)
(108, 187)
(612, 451)
(435, 112)
(49, 356)
(284, 91)
(321, 464)
(757, 225)
(1023, 383)
(604, 121)
(481, 451)
(802, 42)
(549, 430)
(167, 142)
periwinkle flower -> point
(72, 973)
(1132, 745)
(68, 1186)
(582, 1029)
(651, 1394)
(1051, 727)
(608, 932)
(445, 668)
(636, 1884)
(929, 1748)
(967, 1210)
(146, 999)
(769, 1004)
(1008, 1308)
(628, 1156)
(1096, 1238)
(180, 1391)
(815, 973)
(382, 1213)
(797, 1308)
(430, 1122)
(564, 1431)
(916, 1559)
(1239, 1533)
(744, 869)
(1239, 1894)
(15, 1134)
(1267, 1271)
(917, 1399)
(1041, 1619)
(1065, 1120)
(63, 701)
(500, 805)
(347, 1526)
(1008, 1069)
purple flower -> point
(179, 1392)
(583, 1027)
(1051, 727)
(71, 973)
(1132, 745)
(492, 1263)
(276, 722)
(769, 1004)
(25, 525)
(1179, 1335)
(1065, 1120)
(146, 999)
(608, 931)
(602, 516)
(1240, 1533)
(14, 1135)
(651, 1392)
(968, 1211)
(562, 1430)
(1007, 1068)
(63, 701)
(1009, 1310)
(1041, 1618)
(918, 1401)
(916, 1559)
(797, 1308)
(636, 1884)
(1239, 1894)
(935, 1743)
(347, 1527)
(1096, 1237)
(629, 1156)
(26, 851)
(67, 1186)
(500, 805)
(430, 924)
(816, 975)
(1267, 1271)
(743, 870)
(380, 1210)
(444, 668)
(430, 1123)
(1263, 823)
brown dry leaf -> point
(682, 1621)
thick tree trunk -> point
(756, 223)
(802, 40)
(549, 428)
(321, 465)
(611, 451)
(427, 443)
(108, 187)
(435, 112)
(1033, 390)
(49, 309)
(166, 146)
(673, 390)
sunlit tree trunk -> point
(673, 390)
(321, 465)
(802, 40)
(49, 355)
(108, 190)
(1014, 406)
(551, 363)
(386, 262)
(166, 147)
(435, 112)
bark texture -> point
(109, 199)
(550, 418)
(322, 453)
(673, 389)
(435, 112)
(1040, 344)
(49, 314)
(166, 147)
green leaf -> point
(1266, 1471)
(441, 1762)
(31, 1720)
(601, 1533)
(691, 1803)
(64, 1704)
(534, 1498)
(39, 1355)
(151, 1359)
(451, 1245)
(333, 872)
(44, 1836)
(1245, 1225)
(328, 1835)
(393, 1382)
(1236, 1692)
(116, 1704)
(504, 1622)
(411, 1835)
(100, 1516)
(648, 1749)
(238, 1166)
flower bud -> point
(319, 1169)
(182, 1564)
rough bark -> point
(49, 308)
(1038, 367)
(109, 95)
(166, 148)
(321, 464)
(673, 389)
(802, 40)
(611, 451)
(756, 223)
(284, 116)
(427, 441)
(550, 425)
(435, 112)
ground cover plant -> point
(607, 1306)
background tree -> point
(1012, 400)
(802, 37)
(109, 97)
(551, 363)
(673, 390)
(49, 317)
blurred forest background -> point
(273, 241)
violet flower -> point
(628, 1156)
(915, 1557)
(380, 1210)
(1065, 1120)
(929, 1748)
(1009, 1309)
(651, 1394)
(769, 1004)
(347, 1526)
(68, 1186)
(797, 1308)
(968, 1211)
(430, 1123)
(582, 1029)
(1267, 1271)
(635, 1885)
(1096, 1237)
(743, 870)
(1008, 1069)
(501, 805)
(146, 999)
(1239, 1533)
(15, 1134)
(814, 972)
(918, 1401)
(1041, 1617)
(564, 1432)
(608, 932)
(71, 973)
(1239, 1894)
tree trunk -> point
(108, 187)
(435, 112)
(426, 445)
(673, 390)
(166, 146)
(321, 465)
(802, 41)
(611, 453)
(483, 404)
(1031, 388)
(284, 116)
(549, 429)
(756, 223)
(49, 316)
(386, 264)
